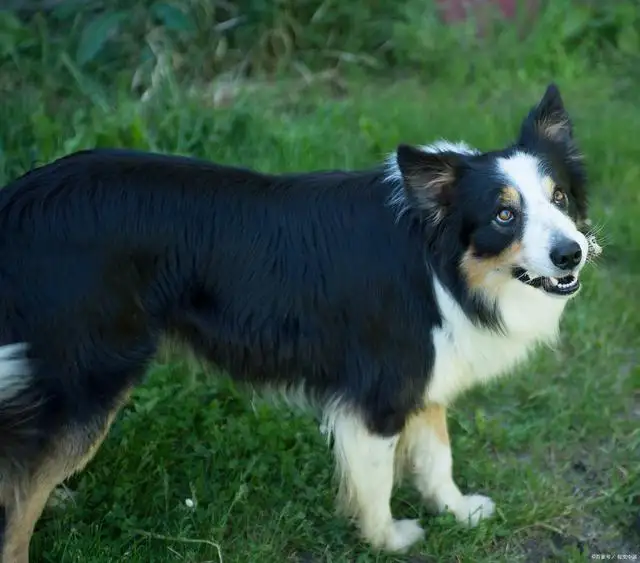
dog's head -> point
(517, 212)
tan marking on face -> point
(510, 197)
(478, 270)
(549, 185)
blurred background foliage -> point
(66, 64)
(97, 43)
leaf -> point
(13, 34)
(67, 10)
(173, 17)
(575, 23)
(97, 32)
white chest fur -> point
(467, 355)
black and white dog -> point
(378, 295)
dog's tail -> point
(15, 371)
(16, 403)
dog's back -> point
(285, 281)
(268, 277)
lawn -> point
(196, 470)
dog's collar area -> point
(563, 286)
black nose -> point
(566, 254)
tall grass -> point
(66, 65)
(202, 40)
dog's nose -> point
(566, 254)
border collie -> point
(380, 295)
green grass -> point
(556, 445)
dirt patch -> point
(592, 537)
(589, 530)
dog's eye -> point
(559, 198)
(505, 216)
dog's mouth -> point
(564, 286)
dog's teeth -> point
(565, 285)
(554, 281)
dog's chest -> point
(467, 355)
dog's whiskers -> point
(596, 242)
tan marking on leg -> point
(425, 453)
(23, 512)
(435, 416)
(25, 499)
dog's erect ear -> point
(549, 119)
(429, 178)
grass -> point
(556, 445)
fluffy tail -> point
(15, 371)
(19, 409)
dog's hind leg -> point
(22, 508)
(425, 452)
(366, 465)
(25, 498)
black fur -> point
(3, 521)
(280, 280)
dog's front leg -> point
(365, 463)
(425, 451)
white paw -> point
(402, 534)
(473, 508)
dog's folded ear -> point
(549, 119)
(429, 178)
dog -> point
(377, 295)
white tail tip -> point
(15, 369)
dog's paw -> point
(401, 535)
(473, 508)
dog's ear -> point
(549, 119)
(429, 178)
